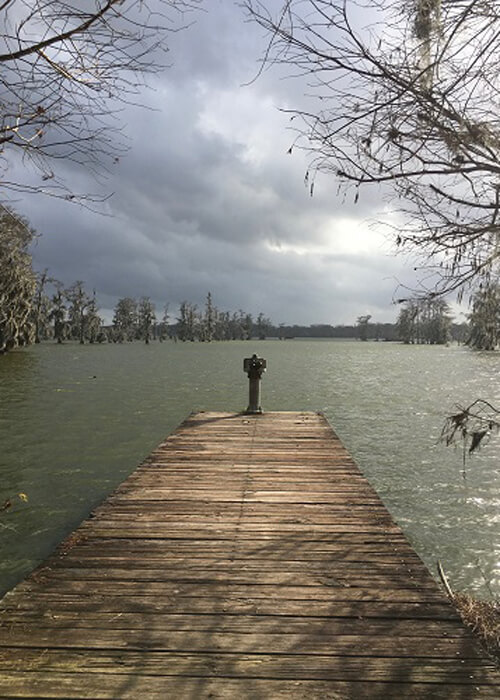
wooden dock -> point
(246, 558)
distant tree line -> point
(35, 307)
(373, 331)
(364, 331)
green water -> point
(76, 420)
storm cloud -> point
(208, 198)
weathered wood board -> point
(247, 557)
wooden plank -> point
(130, 686)
(234, 624)
(247, 557)
(345, 603)
(347, 667)
(310, 643)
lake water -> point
(76, 420)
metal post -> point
(255, 367)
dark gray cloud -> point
(209, 199)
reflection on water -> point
(75, 420)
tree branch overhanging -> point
(67, 70)
(405, 95)
(472, 425)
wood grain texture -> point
(247, 557)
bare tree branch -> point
(406, 96)
(67, 69)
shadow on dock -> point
(246, 558)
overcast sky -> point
(208, 199)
